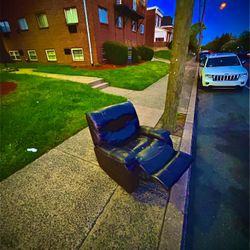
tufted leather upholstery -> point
(124, 148)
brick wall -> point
(150, 28)
(110, 31)
(57, 36)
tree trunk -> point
(183, 19)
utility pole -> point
(183, 19)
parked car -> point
(222, 70)
(203, 55)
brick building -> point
(159, 28)
(69, 31)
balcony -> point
(124, 10)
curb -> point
(175, 219)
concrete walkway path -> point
(64, 200)
(81, 79)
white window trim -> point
(50, 60)
(77, 60)
(15, 51)
(33, 60)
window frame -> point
(4, 22)
(50, 60)
(15, 51)
(102, 8)
(134, 7)
(72, 54)
(28, 52)
(142, 25)
(117, 23)
(65, 10)
(23, 18)
(136, 26)
(38, 22)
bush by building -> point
(145, 53)
(135, 55)
(115, 52)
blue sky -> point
(233, 19)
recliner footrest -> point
(172, 172)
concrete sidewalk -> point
(64, 200)
(94, 82)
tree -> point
(218, 42)
(183, 18)
(244, 40)
(195, 29)
(201, 22)
(230, 46)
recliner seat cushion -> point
(155, 156)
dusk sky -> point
(232, 19)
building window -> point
(134, 4)
(134, 26)
(119, 22)
(32, 55)
(23, 24)
(51, 54)
(158, 21)
(142, 28)
(15, 55)
(5, 27)
(71, 16)
(118, 1)
(42, 21)
(77, 54)
(159, 39)
(103, 15)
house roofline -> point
(157, 10)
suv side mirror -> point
(202, 64)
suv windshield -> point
(223, 61)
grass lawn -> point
(42, 113)
(165, 54)
(137, 77)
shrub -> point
(115, 52)
(135, 55)
(145, 53)
(170, 45)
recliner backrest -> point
(113, 125)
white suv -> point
(222, 70)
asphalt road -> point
(219, 188)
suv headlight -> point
(208, 76)
(243, 75)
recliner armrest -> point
(121, 155)
(160, 134)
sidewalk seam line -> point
(75, 156)
(94, 223)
